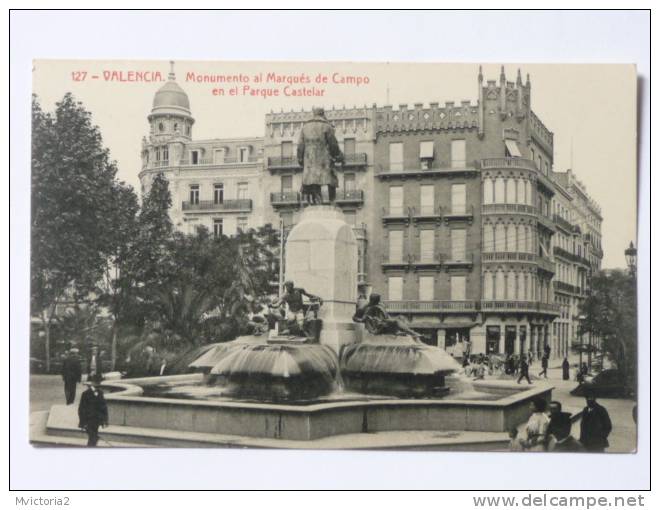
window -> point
(528, 193)
(426, 154)
(350, 217)
(458, 198)
(242, 224)
(287, 183)
(243, 153)
(499, 285)
(457, 288)
(161, 127)
(242, 190)
(176, 127)
(219, 156)
(488, 191)
(349, 182)
(194, 157)
(511, 286)
(426, 284)
(458, 249)
(488, 286)
(396, 246)
(426, 245)
(511, 149)
(287, 149)
(427, 199)
(531, 151)
(166, 153)
(540, 163)
(511, 238)
(520, 199)
(547, 168)
(194, 193)
(511, 191)
(396, 200)
(188, 130)
(499, 190)
(458, 153)
(396, 157)
(500, 237)
(157, 153)
(395, 288)
(489, 238)
(218, 193)
(349, 146)
(217, 227)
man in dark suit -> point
(595, 426)
(92, 411)
(71, 374)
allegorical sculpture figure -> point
(318, 151)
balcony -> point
(547, 223)
(519, 163)
(426, 262)
(417, 306)
(390, 173)
(545, 264)
(451, 262)
(286, 163)
(459, 214)
(220, 162)
(346, 197)
(396, 215)
(402, 262)
(566, 287)
(520, 307)
(285, 199)
(508, 256)
(426, 214)
(236, 205)
(360, 231)
(563, 224)
(508, 209)
(355, 161)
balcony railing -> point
(358, 159)
(283, 163)
(545, 264)
(417, 306)
(546, 222)
(520, 306)
(561, 222)
(354, 196)
(508, 208)
(426, 261)
(450, 261)
(396, 214)
(385, 172)
(458, 213)
(403, 261)
(220, 162)
(285, 198)
(239, 204)
(360, 231)
(560, 252)
(522, 163)
(566, 287)
(506, 256)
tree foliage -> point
(610, 313)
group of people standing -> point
(549, 429)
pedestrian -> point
(515, 443)
(565, 366)
(530, 358)
(595, 426)
(481, 370)
(544, 366)
(559, 420)
(523, 370)
(92, 411)
(563, 442)
(537, 426)
(71, 374)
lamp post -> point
(631, 259)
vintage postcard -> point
(334, 255)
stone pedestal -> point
(322, 258)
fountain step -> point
(62, 431)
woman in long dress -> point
(537, 426)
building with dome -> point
(214, 183)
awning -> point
(512, 147)
(426, 150)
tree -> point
(610, 312)
(74, 208)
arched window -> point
(511, 286)
(489, 237)
(499, 285)
(526, 293)
(161, 127)
(488, 190)
(510, 191)
(499, 190)
(522, 246)
(511, 238)
(521, 281)
(522, 184)
(500, 237)
(528, 193)
(488, 285)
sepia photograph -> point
(334, 255)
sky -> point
(590, 108)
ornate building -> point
(462, 225)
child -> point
(515, 443)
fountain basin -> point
(129, 407)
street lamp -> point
(631, 258)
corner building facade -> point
(465, 228)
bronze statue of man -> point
(318, 151)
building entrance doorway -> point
(510, 340)
(492, 339)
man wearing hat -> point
(92, 410)
(71, 374)
(595, 425)
(318, 151)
